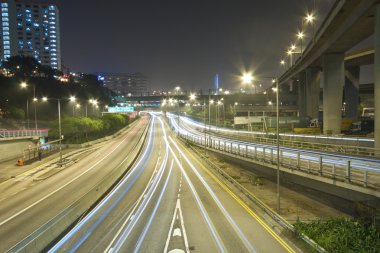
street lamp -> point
(275, 81)
(310, 18)
(278, 144)
(177, 91)
(217, 113)
(72, 100)
(300, 36)
(192, 97)
(77, 106)
(209, 113)
(24, 85)
(93, 102)
(247, 78)
(59, 125)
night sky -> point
(182, 42)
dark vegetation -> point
(43, 81)
(341, 235)
(82, 129)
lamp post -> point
(177, 92)
(277, 144)
(235, 104)
(77, 106)
(204, 119)
(24, 85)
(72, 98)
(246, 78)
(217, 114)
(300, 36)
(60, 132)
(210, 102)
(310, 20)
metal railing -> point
(23, 133)
(309, 145)
(356, 172)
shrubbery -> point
(341, 235)
(82, 129)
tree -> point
(22, 66)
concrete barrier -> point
(14, 149)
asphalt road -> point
(36, 196)
(170, 202)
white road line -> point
(63, 186)
(177, 215)
(226, 214)
(202, 209)
(132, 212)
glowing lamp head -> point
(247, 78)
(309, 18)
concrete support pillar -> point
(301, 84)
(377, 80)
(313, 84)
(333, 76)
(351, 92)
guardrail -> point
(352, 172)
(24, 133)
(278, 218)
(30, 155)
(40, 239)
(309, 145)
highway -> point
(170, 202)
(36, 196)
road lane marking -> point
(105, 200)
(245, 206)
(226, 214)
(158, 202)
(121, 236)
(202, 209)
(63, 186)
(127, 230)
(129, 218)
(177, 231)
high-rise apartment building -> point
(133, 84)
(31, 28)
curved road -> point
(170, 202)
(34, 197)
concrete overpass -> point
(348, 23)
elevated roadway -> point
(348, 23)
